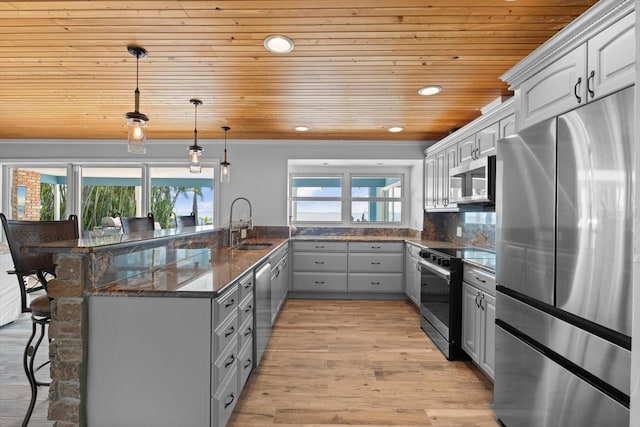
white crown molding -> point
(602, 14)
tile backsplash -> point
(477, 228)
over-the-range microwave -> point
(473, 182)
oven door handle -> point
(442, 272)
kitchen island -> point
(161, 304)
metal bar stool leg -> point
(28, 360)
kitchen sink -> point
(252, 246)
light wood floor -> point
(329, 363)
(14, 387)
(359, 362)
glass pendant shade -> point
(195, 151)
(136, 121)
(225, 172)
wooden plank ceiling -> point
(356, 68)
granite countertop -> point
(198, 273)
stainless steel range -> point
(441, 300)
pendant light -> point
(224, 165)
(195, 151)
(137, 122)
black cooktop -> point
(483, 257)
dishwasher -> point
(263, 309)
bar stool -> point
(30, 266)
(186, 220)
(133, 224)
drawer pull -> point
(319, 262)
(248, 331)
(248, 285)
(480, 280)
(248, 363)
(376, 247)
(230, 303)
(375, 283)
(318, 282)
(229, 400)
(249, 309)
(231, 359)
(375, 263)
(319, 247)
(230, 331)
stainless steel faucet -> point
(249, 224)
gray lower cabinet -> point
(166, 361)
(478, 318)
(319, 266)
(376, 267)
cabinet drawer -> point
(330, 282)
(224, 334)
(224, 401)
(319, 246)
(379, 282)
(319, 262)
(375, 246)
(245, 333)
(225, 305)
(384, 263)
(480, 279)
(245, 364)
(245, 309)
(246, 286)
(226, 363)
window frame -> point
(347, 199)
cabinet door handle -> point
(477, 303)
(576, 88)
(248, 285)
(230, 303)
(229, 400)
(248, 332)
(320, 262)
(479, 279)
(231, 359)
(247, 364)
(230, 331)
(481, 306)
(590, 82)
(318, 282)
(249, 309)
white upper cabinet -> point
(590, 58)
(611, 58)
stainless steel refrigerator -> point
(564, 290)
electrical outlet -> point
(459, 231)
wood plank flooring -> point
(339, 362)
(329, 363)
(14, 387)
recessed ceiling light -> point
(278, 44)
(429, 90)
(301, 128)
(395, 129)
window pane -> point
(175, 190)
(316, 187)
(109, 191)
(376, 186)
(317, 210)
(376, 211)
(38, 193)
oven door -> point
(435, 297)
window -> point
(376, 199)
(176, 191)
(316, 198)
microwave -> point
(473, 182)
